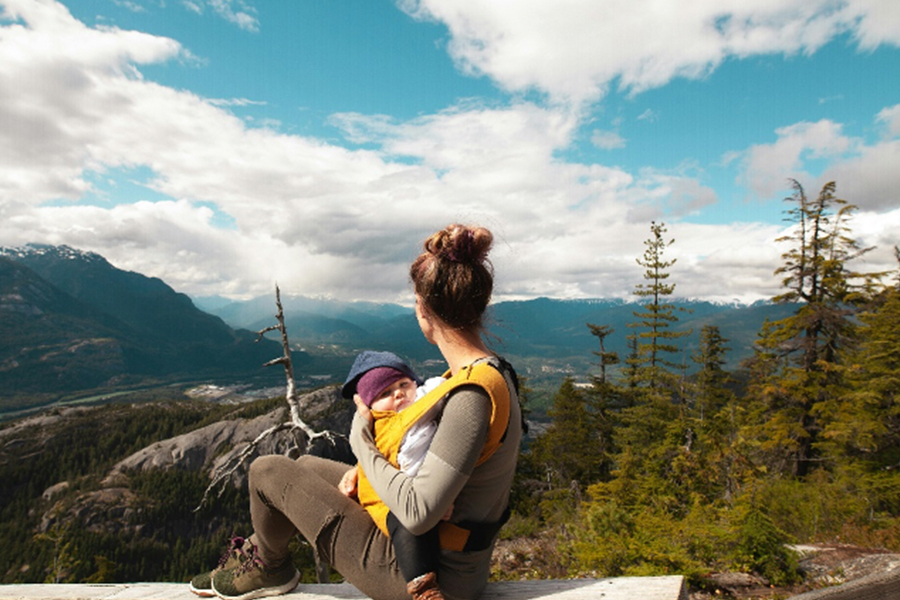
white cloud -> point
(879, 22)
(866, 175)
(607, 140)
(235, 102)
(574, 53)
(869, 180)
(323, 219)
(890, 118)
(767, 167)
(236, 11)
(132, 6)
(192, 6)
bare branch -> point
(260, 334)
(296, 424)
(224, 472)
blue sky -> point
(223, 145)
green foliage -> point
(863, 422)
(655, 337)
(719, 471)
(801, 354)
(569, 451)
(761, 547)
(612, 540)
(35, 458)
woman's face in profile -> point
(425, 323)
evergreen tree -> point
(713, 422)
(816, 274)
(607, 359)
(632, 371)
(655, 339)
(798, 355)
(654, 459)
(606, 398)
(569, 450)
(712, 382)
(863, 426)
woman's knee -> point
(264, 465)
(268, 468)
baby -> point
(386, 384)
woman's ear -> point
(424, 319)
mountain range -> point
(72, 323)
(550, 330)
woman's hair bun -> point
(461, 244)
(453, 277)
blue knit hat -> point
(368, 360)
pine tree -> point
(632, 371)
(654, 460)
(712, 382)
(712, 418)
(606, 399)
(816, 274)
(655, 339)
(863, 426)
(569, 450)
(800, 353)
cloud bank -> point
(224, 208)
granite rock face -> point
(210, 447)
(115, 509)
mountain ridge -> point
(74, 322)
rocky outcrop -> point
(210, 447)
(204, 448)
(109, 510)
(117, 509)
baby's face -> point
(396, 396)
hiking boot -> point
(202, 583)
(425, 587)
(254, 579)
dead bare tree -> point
(302, 433)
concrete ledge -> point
(616, 588)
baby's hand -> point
(363, 410)
(349, 482)
(448, 514)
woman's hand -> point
(349, 482)
(363, 410)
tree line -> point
(666, 463)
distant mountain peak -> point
(49, 250)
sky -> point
(229, 145)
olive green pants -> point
(289, 496)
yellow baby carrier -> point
(390, 427)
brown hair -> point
(453, 276)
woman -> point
(469, 466)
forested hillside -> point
(96, 494)
(74, 324)
(649, 470)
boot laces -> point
(235, 546)
(250, 559)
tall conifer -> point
(655, 338)
(800, 352)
